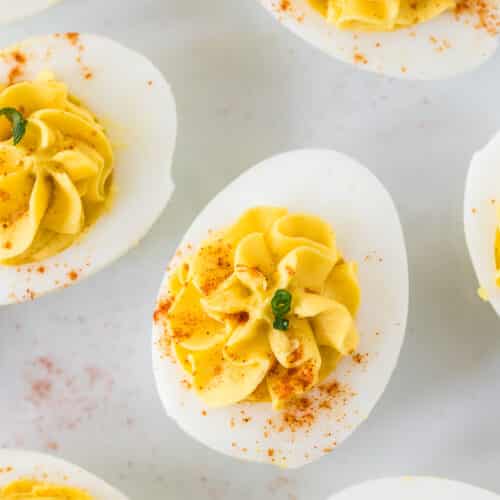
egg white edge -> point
(414, 488)
(16, 280)
(160, 366)
(482, 185)
(47, 468)
(407, 54)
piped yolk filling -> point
(56, 181)
(380, 15)
(221, 323)
(28, 489)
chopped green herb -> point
(18, 123)
(281, 324)
(281, 304)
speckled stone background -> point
(247, 89)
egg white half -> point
(415, 488)
(21, 464)
(440, 48)
(135, 104)
(481, 201)
(11, 10)
(361, 212)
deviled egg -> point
(282, 314)
(482, 220)
(29, 475)
(415, 488)
(10, 11)
(422, 39)
(86, 147)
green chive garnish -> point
(281, 324)
(18, 123)
(281, 304)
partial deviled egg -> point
(282, 314)
(28, 475)
(87, 136)
(421, 39)
(415, 488)
(11, 11)
(482, 220)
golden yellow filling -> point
(28, 489)
(55, 182)
(380, 15)
(223, 322)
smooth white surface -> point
(247, 89)
(368, 231)
(415, 488)
(21, 464)
(138, 112)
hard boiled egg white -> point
(482, 199)
(437, 49)
(135, 104)
(20, 464)
(415, 488)
(361, 212)
(10, 11)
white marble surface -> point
(247, 89)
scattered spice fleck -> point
(360, 58)
(73, 275)
(52, 446)
(285, 5)
(485, 13)
(359, 358)
(162, 309)
(73, 38)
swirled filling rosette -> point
(223, 320)
(57, 179)
(29, 489)
(385, 15)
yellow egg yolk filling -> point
(28, 489)
(221, 323)
(380, 15)
(55, 182)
